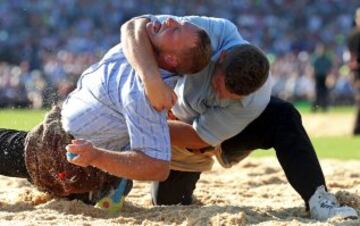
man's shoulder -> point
(206, 18)
(210, 24)
(114, 53)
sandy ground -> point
(255, 192)
(323, 124)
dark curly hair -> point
(246, 69)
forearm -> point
(183, 135)
(138, 50)
(131, 164)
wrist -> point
(153, 77)
(96, 157)
(153, 83)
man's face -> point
(218, 84)
(172, 35)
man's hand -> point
(84, 150)
(160, 95)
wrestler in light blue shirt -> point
(213, 119)
(109, 108)
(216, 120)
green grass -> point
(21, 119)
(344, 148)
(326, 147)
(305, 108)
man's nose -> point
(172, 22)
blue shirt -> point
(216, 120)
(110, 109)
(213, 119)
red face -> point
(172, 35)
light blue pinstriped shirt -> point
(110, 109)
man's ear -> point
(171, 60)
(222, 56)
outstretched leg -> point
(12, 161)
(280, 127)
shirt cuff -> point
(157, 154)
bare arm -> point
(130, 164)
(139, 52)
(183, 135)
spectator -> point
(61, 38)
(322, 65)
(354, 65)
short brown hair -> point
(246, 69)
(194, 59)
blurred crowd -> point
(45, 45)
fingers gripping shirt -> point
(109, 108)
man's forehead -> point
(186, 22)
(191, 26)
(191, 31)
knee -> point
(177, 189)
(160, 197)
